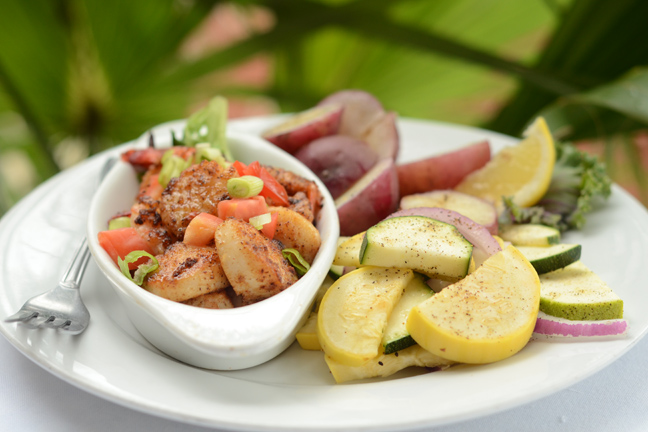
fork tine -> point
(54, 322)
(35, 321)
(73, 328)
(21, 315)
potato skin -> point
(444, 171)
(186, 272)
(369, 201)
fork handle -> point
(77, 266)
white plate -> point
(295, 390)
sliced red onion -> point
(547, 325)
(482, 240)
(437, 285)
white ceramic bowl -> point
(214, 339)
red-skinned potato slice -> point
(361, 111)
(383, 136)
(370, 199)
(477, 209)
(443, 171)
(338, 160)
(305, 127)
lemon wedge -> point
(485, 317)
(354, 311)
(522, 171)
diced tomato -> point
(143, 159)
(201, 229)
(272, 189)
(242, 208)
(240, 168)
(269, 229)
(120, 242)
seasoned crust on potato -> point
(145, 216)
(254, 264)
(186, 272)
(302, 205)
(296, 232)
(214, 300)
(198, 189)
(146, 220)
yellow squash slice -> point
(485, 317)
(354, 311)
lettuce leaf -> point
(579, 180)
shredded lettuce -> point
(142, 270)
(578, 181)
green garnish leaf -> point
(208, 125)
(175, 141)
(578, 181)
(142, 269)
(296, 260)
(244, 187)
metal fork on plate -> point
(62, 307)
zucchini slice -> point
(530, 235)
(336, 271)
(551, 258)
(577, 293)
(436, 249)
(396, 336)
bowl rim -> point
(197, 320)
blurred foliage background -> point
(79, 76)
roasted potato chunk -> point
(186, 272)
(254, 264)
(296, 232)
(214, 300)
(198, 189)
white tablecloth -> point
(614, 399)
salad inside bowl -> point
(221, 339)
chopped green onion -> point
(205, 152)
(120, 222)
(258, 221)
(244, 187)
(296, 260)
(142, 269)
(172, 166)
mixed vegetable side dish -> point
(456, 258)
(210, 231)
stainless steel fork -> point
(62, 307)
